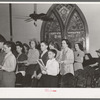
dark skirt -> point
(19, 79)
(28, 82)
(31, 68)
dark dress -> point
(20, 67)
(89, 62)
(97, 72)
(89, 71)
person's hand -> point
(61, 62)
(27, 63)
(39, 76)
(93, 65)
(33, 76)
(44, 68)
(0, 66)
(44, 72)
(20, 62)
(16, 72)
(97, 69)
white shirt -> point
(52, 67)
(9, 62)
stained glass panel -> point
(76, 23)
(64, 11)
(76, 29)
(53, 30)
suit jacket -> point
(44, 58)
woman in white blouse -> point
(66, 60)
(9, 66)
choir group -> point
(46, 65)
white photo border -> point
(69, 93)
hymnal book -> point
(40, 62)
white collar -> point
(66, 49)
(51, 60)
(44, 52)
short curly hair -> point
(80, 46)
(67, 42)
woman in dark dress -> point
(88, 60)
(20, 71)
(89, 70)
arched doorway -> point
(69, 23)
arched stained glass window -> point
(68, 22)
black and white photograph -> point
(50, 45)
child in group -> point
(52, 69)
(20, 70)
(54, 45)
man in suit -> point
(44, 57)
